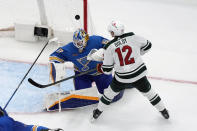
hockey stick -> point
(26, 75)
(47, 85)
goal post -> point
(43, 16)
(42, 12)
(85, 12)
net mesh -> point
(60, 14)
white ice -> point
(172, 29)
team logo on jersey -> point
(83, 61)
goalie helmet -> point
(80, 38)
(116, 27)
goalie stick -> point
(47, 85)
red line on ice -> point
(173, 80)
(151, 77)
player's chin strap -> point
(47, 85)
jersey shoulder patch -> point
(59, 50)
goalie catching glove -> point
(96, 55)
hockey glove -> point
(53, 40)
(89, 57)
(96, 55)
(2, 112)
(98, 67)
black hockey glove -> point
(1, 112)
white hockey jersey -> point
(123, 53)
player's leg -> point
(102, 82)
(109, 94)
(82, 82)
(144, 87)
(104, 102)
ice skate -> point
(165, 114)
(95, 115)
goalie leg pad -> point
(57, 71)
(74, 101)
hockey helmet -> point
(116, 27)
(80, 38)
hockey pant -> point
(102, 82)
(141, 85)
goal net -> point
(62, 17)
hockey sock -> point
(154, 99)
(106, 99)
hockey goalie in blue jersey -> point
(77, 52)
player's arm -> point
(57, 56)
(108, 62)
(144, 44)
(9, 124)
(146, 47)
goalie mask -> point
(116, 27)
(80, 38)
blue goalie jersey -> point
(70, 53)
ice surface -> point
(33, 100)
(172, 29)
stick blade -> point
(35, 83)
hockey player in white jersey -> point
(123, 53)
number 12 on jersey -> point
(126, 60)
